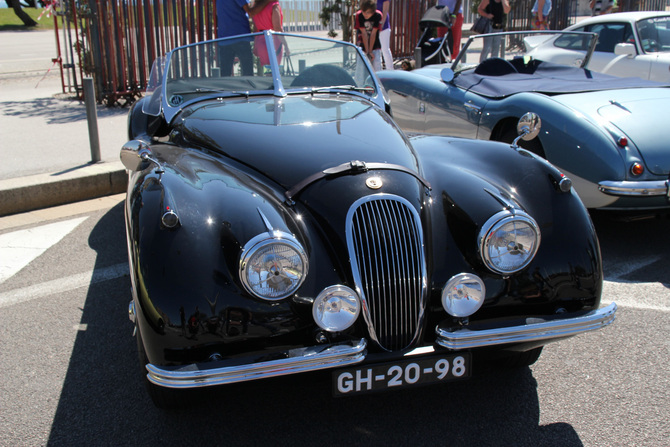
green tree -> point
(346, 10)
(20, 13)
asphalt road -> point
(71, 376)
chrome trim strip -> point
(465, 338)
(641, 189)
(298, 361)
(472, 107)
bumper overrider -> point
(349, 353)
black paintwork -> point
(225, 160)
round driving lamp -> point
(463, 295)
(336, 308)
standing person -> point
(495, 11)
(232, 19)
(385, 33)
(456, 11)
(540, 11)
(270, 18)
(599, 7)
(368, 23)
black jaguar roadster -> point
(279, 222)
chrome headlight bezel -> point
(496, 223)
(261, 245)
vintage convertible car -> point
(604, 132)
(629, 44)
(280, 222)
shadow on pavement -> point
(56, 111)
(103, 400)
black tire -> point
(522, 359)
(535, 146)
(163, 398)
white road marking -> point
(63, 285)
(20, 248)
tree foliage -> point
(346, 10)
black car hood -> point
(291, 138)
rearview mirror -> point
(135, 155)
(529, 126)
(447, 74)
(625, 49)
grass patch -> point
(10, 22)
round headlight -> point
(336, 308)
(273, 268)
(508, 242)
(463, 295)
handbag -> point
(481, 26)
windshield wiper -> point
(368, 89)
(205, 90)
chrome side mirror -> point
(528, 126)
(136, 156)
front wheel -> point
(522, 359)
(164, 398)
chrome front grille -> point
(385, 244)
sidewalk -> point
(44, 139)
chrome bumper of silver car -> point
(464, 338)
(298, 360)
(636, 189)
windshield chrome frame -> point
(169, 111)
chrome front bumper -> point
(298, 360)
(465, 338)
(335, 356)
(636, 189)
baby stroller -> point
(430, 49)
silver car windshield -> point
(262, 64)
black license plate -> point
(401, 374)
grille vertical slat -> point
(386, 249)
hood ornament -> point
(374, 182)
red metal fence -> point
(116, 41)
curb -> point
(86, 182)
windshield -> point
(267, 63)
(521, 45)
(654, 34)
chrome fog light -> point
(463, 295)
(336, 308)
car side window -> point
(572, 41)
(610, 34)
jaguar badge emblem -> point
(373, 182)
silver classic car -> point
(606, 133)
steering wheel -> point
(650, 46)
(323, 75)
